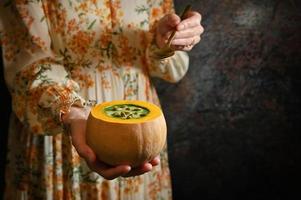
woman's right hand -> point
(76, 118)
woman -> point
(60, 57)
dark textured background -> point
(234, 120)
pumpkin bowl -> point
(126, 132)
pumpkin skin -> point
(126, 141)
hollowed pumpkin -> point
(126, 132)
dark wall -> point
(234, 120)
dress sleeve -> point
(40, 86)
(171, 69)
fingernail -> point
(128, 168)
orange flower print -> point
(39, 41)
(80, 42)
(72, 26)
(83, 6)
(102, 68)
(115, 12)
(167, 6)
(156, 12)
(105, 39)
(105, 83)
(56, 14)
(84, 80)
(126, 52)
(26, 17)
(94, 2)
(133, 185)
(104, 193)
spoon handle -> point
(182, 16)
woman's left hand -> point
(188, 31)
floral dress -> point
(59, 53)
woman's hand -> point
(188, 31)
(77, 119)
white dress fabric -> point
(58, 53)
